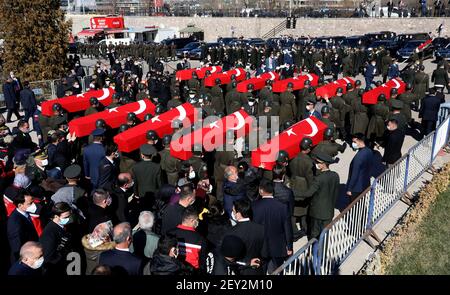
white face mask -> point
(192, 175)
(317, 166)
(251, 103)
(191, 95)
(355, 146)
(44, 163)
(32, 209)
(38, 263)
(76, 86)
(64, 221)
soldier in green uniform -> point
(396, 113)
(288, 107)
(360, 119)
(233, 101)
(323, 194)
(421, 85)
(338, 112)
(328, 145)
(217, 97)
(169, 164)
(301, 98)
(407, 98)
(301, 174)
(194, 83)
(147, 176)
(142, 93)
(386, 62)
(224, 156)
(347, 66)
(380, 112)
(94, 108)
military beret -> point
(147, 149)
(322, 157)
(73, 171)
(98, 132)
(310, 101)
(397, 104)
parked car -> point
(226, 40)
(186, 49)
(179, 42)
(356, 41)
(406, 51)
(197, 52)
(443, 52)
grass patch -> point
(426, 250)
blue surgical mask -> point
(64, 221)
(355, 146)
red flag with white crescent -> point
(424, 45)
(371, 96)
(114, 117)
(212, 135)
(258, 82)
(186, 74)
(133, 138)
(225, 77)
(289, 141)
(80, 102)
(298, 82)
(331, 88)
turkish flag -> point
(371, 96)
(113, 117)
(258, 82)
(80, 102)
(225, 77)
(330, 89)
(133, 138)
(298, 82)
(201, 72)
(212, 135)
(425, 44)
(289, 141)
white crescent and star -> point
(105, 94)
(346, 80)
(313, 127)
(310, 78)
(272, 76)
(154, 119)
(182, 112)
(241, 121)
(290, 132)
(142, 107)
(238, 72)
(397, 84)
(113, 110)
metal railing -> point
(356, 222)
(277, 29)
(301, 263)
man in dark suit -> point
(23, 140)
(147, 176)
(429, 110)
(20, 228)
(122, 190)
(92, 156)
(310, 109)
(10, 100)
(120, 260)
(30, 262)
(251, 233)
(275, 218)
(56, 240)
(360, 167)
(98, 211)
(392, 142)
(109, 168)
(28, 101)
(370, 73)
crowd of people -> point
(147, 212)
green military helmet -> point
(250, 87)
(100, 123)
(269, 82)
(394, 91)
(339, 90)
(378, 83)
(148, 117)
(288, 124)
(408, 86)
(93, 101)
(177, 124)
(159, 109)
(57, 107)
(152, 135)
(358, 83)
(328, 133)
(290, 85)
(282, 157)
(381, 97)
(349, 86)
(233, 77)
(234, 84)
(217, 81)
(311, 89)
(123, 127)
(307, 83)
(306, 144)
(131, 117)
(325, 110)
(116, 96)
(141, 86)
(166, 140)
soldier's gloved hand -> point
(344, 146)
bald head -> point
(30, 252)
(122, 235)
(124, 180)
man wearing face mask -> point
(251, 106)
(20, 228)
(324, 192)
(360, 168)
(30, 262)
(36, 167)
(192, 246)
(98, 210)
(310, 111)
(56, 240)
(109, 167)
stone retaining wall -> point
(256, 27)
